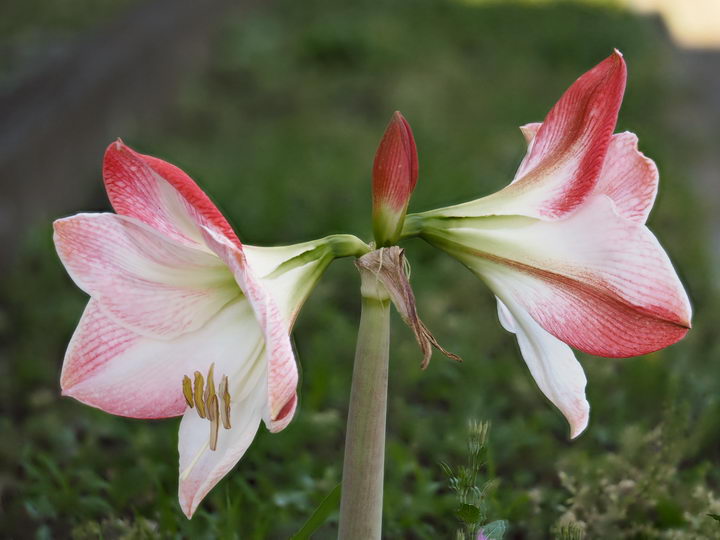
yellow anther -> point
(214, 416)
(187, 390)
(210, 386)
(199, 383)
(225, 395)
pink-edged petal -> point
(552, 364)
(121, 372)
(201, 468)
(568, 151)
(140, 278)
(282, 373)
(160, 195)
(629, 178)
(565, 154)
(595, 280)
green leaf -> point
(469, 513)
(495, 530)
(328, 505)
(716, 517)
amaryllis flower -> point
(565, 248)
(183, 319)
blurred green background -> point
(280, 128)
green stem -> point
(364, 464)
(412, 226)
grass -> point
(281, 131)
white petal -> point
(288, 274)
(202, 468)
(552, 364)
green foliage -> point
(641, 491)
(329, 504)
(473, 498)
(281, 131)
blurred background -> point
(276, 109)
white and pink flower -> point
(177, 303)
(564, 247)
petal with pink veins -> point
(566, 154)
(160, 195)
(282, 373)
(121, 372)
(595, 280)
(552, 364)
(568, 151)
(140, 278)
(628, 176)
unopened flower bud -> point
(395, 174)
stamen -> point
(214, 416)
(202, 394)
(187, 391)
(225, 395)
(210, 387)
(199, 383)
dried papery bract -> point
(389, 267)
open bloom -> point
(183, 319)
(565, 248)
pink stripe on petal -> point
(588, 317)
(136, 190)
(628, 177)
(204, 211)
(142, 279)
(568, 151)
(161, 195)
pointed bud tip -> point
(395, 173)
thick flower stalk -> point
(564, 247)
(184, 319)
